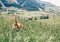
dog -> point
(17, 25)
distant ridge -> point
(26, 4)
(29, 5)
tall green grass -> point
(43, 30)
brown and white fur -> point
(16, 24)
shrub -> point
(44, 17)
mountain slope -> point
(29, 5)
(26, 4)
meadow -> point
(40, 30)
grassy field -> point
(40, 30)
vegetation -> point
(40, 27)
(41, 30)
